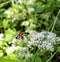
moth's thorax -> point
(21, 35)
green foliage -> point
(7, 60)
(25, 15)
(40, 11)
(5, 24)
(9, 34)
(37, 59)
(58, 49)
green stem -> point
(55, 21)
(35, 56)
(3, 4)
(50, 26)
(51, 57)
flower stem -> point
(55, 21)
(51, 57)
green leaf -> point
(38, 59)
(5, 23)
(7, 60)
(9, 34)
(50, 2)
(39, 7)
(1, 43)
(58, 49)
(58, 4)
(1, 53)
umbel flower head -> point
(43, 40)
(24, 53)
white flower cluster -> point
(31, 2)
(30, 10)
(9, 13)
(23, 53)
(11, 49)
(43, 40)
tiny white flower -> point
(20, 1)
(23, 49)
(25, 23)
(28, 55)
(24, 53)
(30, 2)
(1, 36)
(43, 40)
(12, 49)
(30, 10)
(8, 12)
(13, 19)
(15, 40)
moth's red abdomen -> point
(21, 35)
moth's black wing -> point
(26, 33)
(17, 37)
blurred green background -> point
(25, 15)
